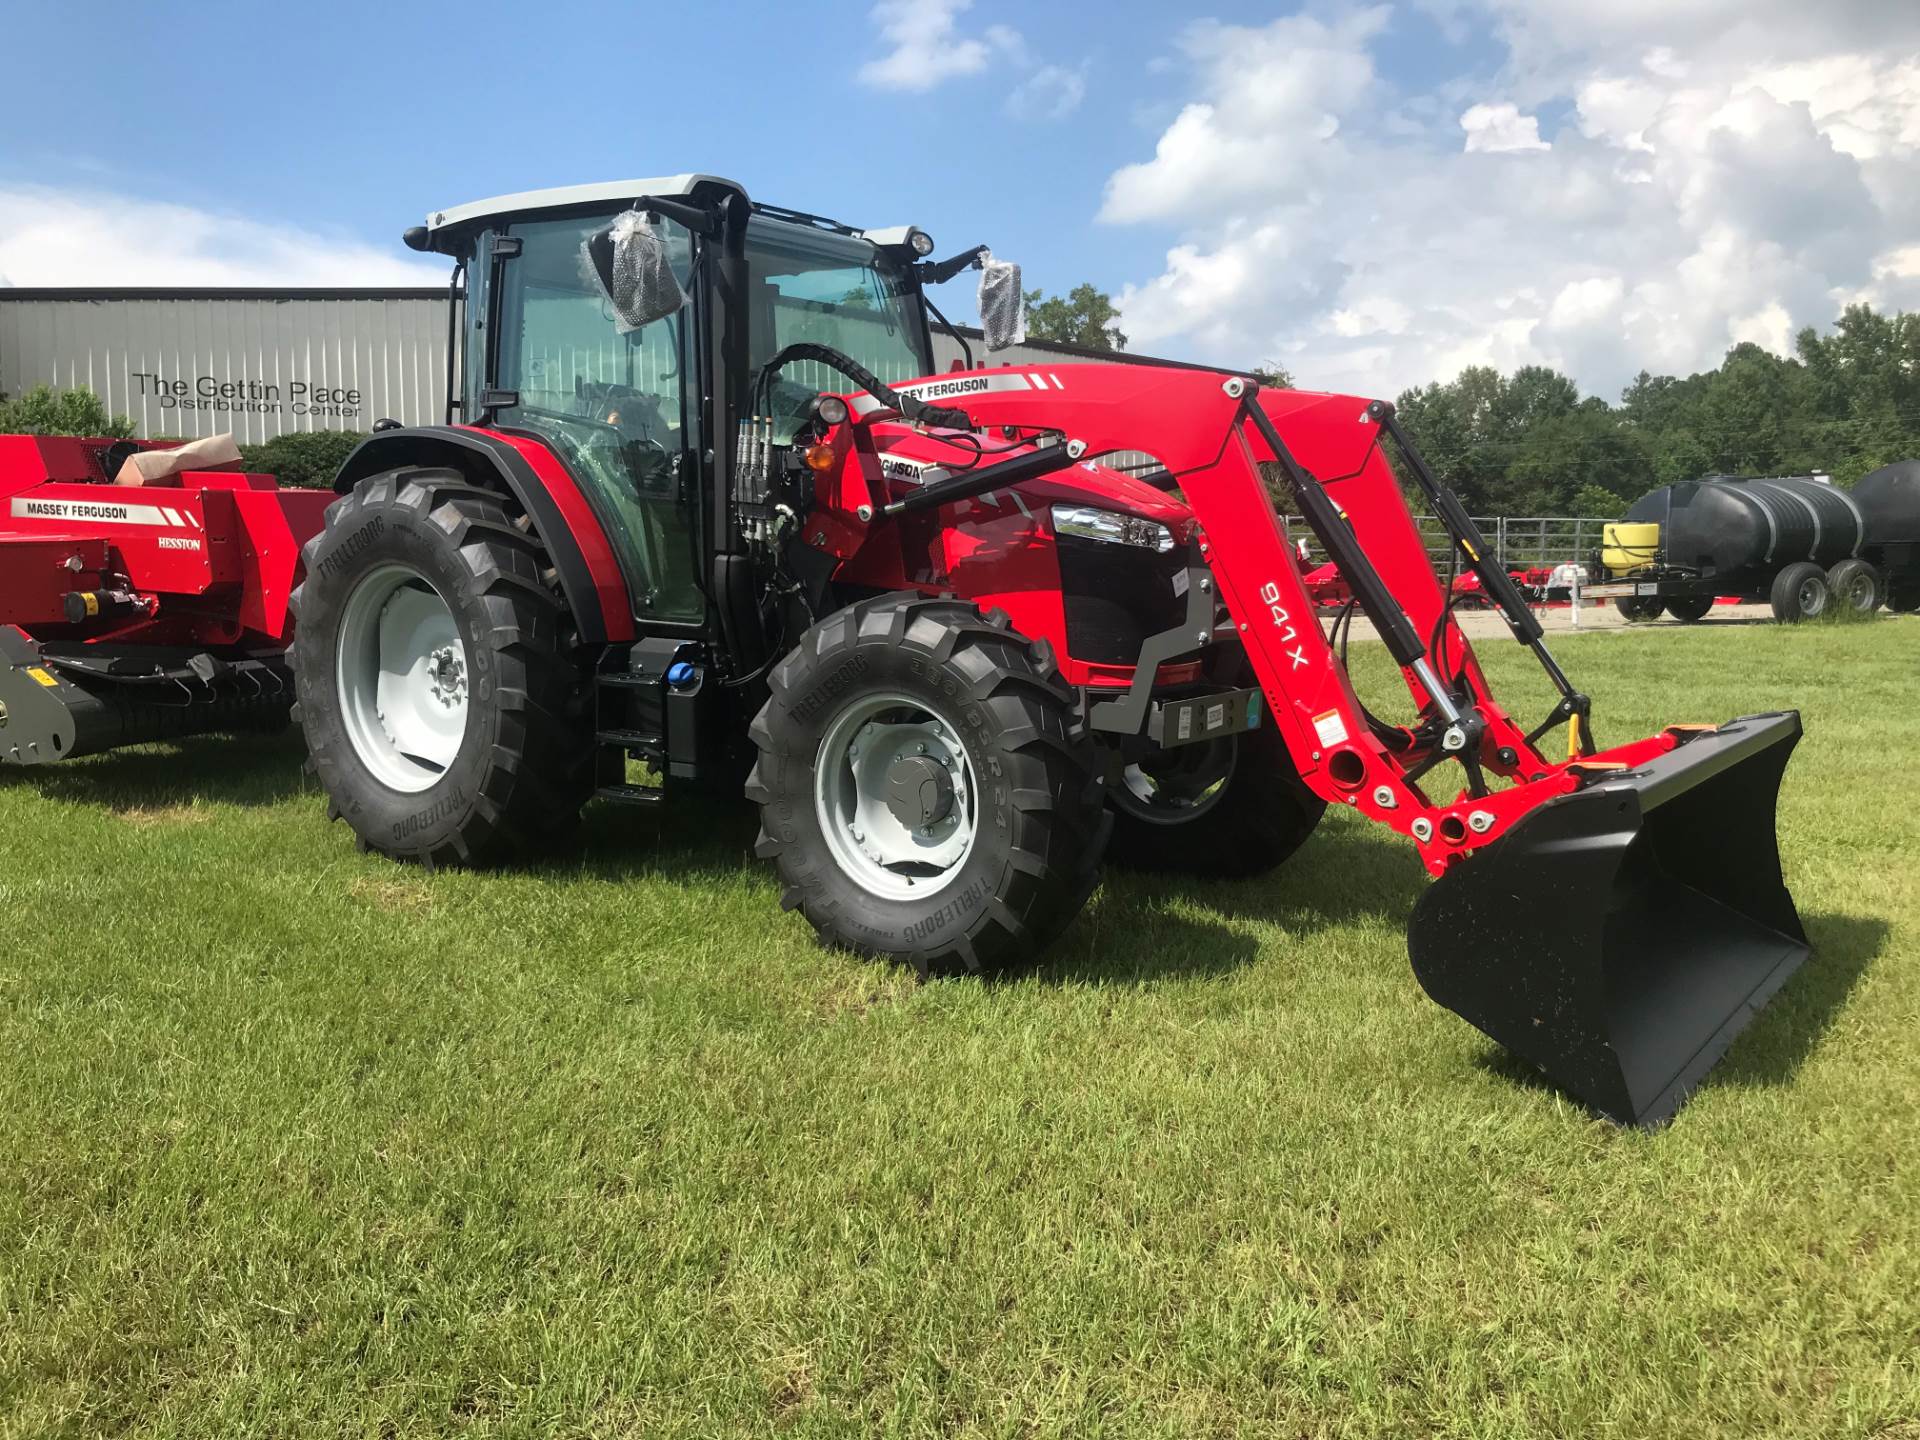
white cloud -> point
(1729, 170)
(83, 238)
(927, 48)
(1274, 96)
(1052, 92)
(1371, 315)
(1499, 129)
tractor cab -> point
(633, 371)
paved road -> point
(1594, 616)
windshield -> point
(810, 285)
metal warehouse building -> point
(259, 363)
(256, 363)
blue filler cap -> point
(679, 673)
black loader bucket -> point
(1621, 936)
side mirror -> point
(1003, 307)
(630, 261)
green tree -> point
(1086, 316)
(1273, 375)
(46, 411)
(1596, 502)
(1846, 402)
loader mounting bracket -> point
(1127, 715)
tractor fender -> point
(563, 521)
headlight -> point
(1083, 522)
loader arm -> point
(1213, 431)
(1616, 917)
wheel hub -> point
(919, 792)
(895, 797)
(447, 676)
(402, 675)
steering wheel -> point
(632, 415)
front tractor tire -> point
(924, 788)
(442, 715)
(1232, 807)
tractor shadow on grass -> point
(245, 770)
(1142, 927)
(1785, 1034)
(1348, 871)
(688, 838)
(1124, 938)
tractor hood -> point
(908, 457)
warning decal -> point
(1330, 727)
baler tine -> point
(1616, 918)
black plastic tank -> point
(1890, 499)
(1747, 528)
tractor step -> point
(630, 739)
(630, 794)
(625, 680)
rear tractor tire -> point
(1800, 593)
(1232, 807)
(925, 790)
(1635, 608)
(1690, 610)
(1856, 585)
(443, 715)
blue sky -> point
(1368, 193)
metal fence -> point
(1518, 541)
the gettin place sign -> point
(221, 395)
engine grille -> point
(1115, 596)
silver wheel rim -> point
(402, 675)
(1182, 793)
(1813, 596)
(871, 844)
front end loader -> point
(702, 506)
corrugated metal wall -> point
(162, 358)
(253, 365)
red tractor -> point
(702, 502)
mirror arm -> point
(700, 219)
(941, 271)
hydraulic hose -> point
(913, 408)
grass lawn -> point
(299, 1142)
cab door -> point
(618, 407)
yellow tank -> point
(1625, 548)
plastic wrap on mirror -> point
(1003, 311)
(632, 264)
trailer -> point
(1797, 543)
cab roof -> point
(603, 192)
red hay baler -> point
(140, 612)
